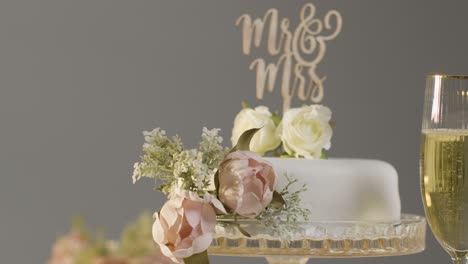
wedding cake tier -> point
(344, 189)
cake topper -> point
(297, 52)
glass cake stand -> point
(323, 240)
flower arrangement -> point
(211, 184)
(136, 246)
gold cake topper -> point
(298, 52)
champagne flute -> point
(444, 162)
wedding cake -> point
(345, 189)
(335, 189)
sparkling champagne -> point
(444, 181)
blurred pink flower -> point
(68, 248)
(152, 259)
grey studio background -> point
(80, 81)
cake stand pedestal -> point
(323, 240)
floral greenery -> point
(97, 249)
(284, 221)
(135, 241)
(166, 159)
(79, 226)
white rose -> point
(306, 131)
(264, 140)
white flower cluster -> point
(304, 132)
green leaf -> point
(216, 182)
(323, 156)
(276, 119)
(278, 201)
(245, 105)
(100, 247)
(244, 140)
(243, 231)
(200, 258)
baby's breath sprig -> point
(285, 221)
(166, 159)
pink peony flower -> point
(185, 225)
(246, 183)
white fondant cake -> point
(344, 189)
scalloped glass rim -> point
(326, 239)
(405, 218)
